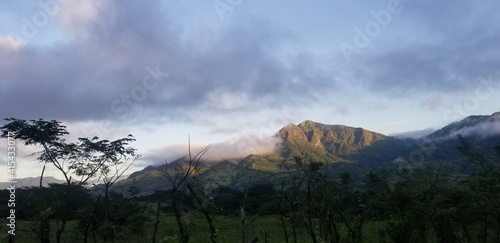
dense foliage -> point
(422, 205)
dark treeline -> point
(88, 212)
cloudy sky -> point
(232, 72)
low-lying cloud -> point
(414, 134)
(482, 130)
(236, 148)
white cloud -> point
(235, 148)
(9, 43)
(414, 134)
(76, 17)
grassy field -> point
(266, 228)
(229, 230)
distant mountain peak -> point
(307, 123)
(291, 131)
(324, 142)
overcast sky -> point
(233, 72)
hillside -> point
(481, 131)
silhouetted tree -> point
(204, 206)
(48, 135)
(177, 175)
(85, 159)
(156, 224)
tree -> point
(60, 196)
(114, 169)
(301, 200)
(48, 135)
(87, 158)
(204, 207)
(243, 213)
(157, 216)
(177, 176)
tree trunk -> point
(157, 219)
(292, 222)
(282, 216)
(86, 233)
(208, 217)
(67, 215)
(485, 228)
(285, 232)
(107, 213)
(182, 232)
(106, 202)
(93, 220)
(334, 226)
(242, 213)
(59, 232)
(242, 220)
(310, 225)
(44, 231)
(44, 224)
(344, 220)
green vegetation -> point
(394, 206)
(228, 230)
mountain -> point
(32, 181)
(340, 148)
(313, 141)
(476, 127)
(482, 132)
(324, 143)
